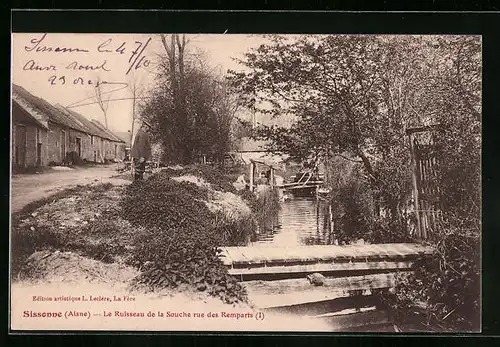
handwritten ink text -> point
(37, 47)
(79, 67)
(74, 68)
(31, 65)
(81, 81)
(139, 59)
(102, 47)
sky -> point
(69, 77)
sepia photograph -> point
(246, 182)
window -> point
(91, 139)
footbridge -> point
(275, 277)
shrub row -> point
(170, 258)
(447, 285)
(181, 238)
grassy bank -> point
(167, 228)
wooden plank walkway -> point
(300, 184)
(282, 260)
(348, 270)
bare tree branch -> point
(103, 105)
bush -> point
(234, 232)
(249, 197)
(447, 286)
(175, 257)
(28, 237)
(166, 204)
(217, 179)
(179, 244)
(26, 241)
(265, 205)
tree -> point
(137, 92)
(358, 95)
(354, 97)
(190, 108)
(102, 102)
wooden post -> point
(317, 218)
(271, 177)
(252, 173)
(415, 185)
(332, 226)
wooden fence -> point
(426, 192)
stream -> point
(299, 222)
(303, 222)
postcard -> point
(244, 182)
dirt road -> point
(31, 187)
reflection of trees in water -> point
(327, 231)
(311, 241)
(306, 217)
(267, 225)
(323, 235)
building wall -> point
(100, 150)
(54, 146)
(88, 148)
(34, 135)
(87, 152)
(50, 143)
(115, 150)
(93, 148)
(36, 138)
(121, 151)
(108, 150)
(105, 149)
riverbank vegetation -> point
(353, 99)
(347, 100)
(166, 231)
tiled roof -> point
(41, 106)
(112, 136)
(93, 129)
(31, 113)
(42, 112)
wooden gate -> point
(426, 192)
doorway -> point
(38, 147)
(79, 147)
(63, 146)
(20, 147)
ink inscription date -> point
(136, 53)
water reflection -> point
(299, 222)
